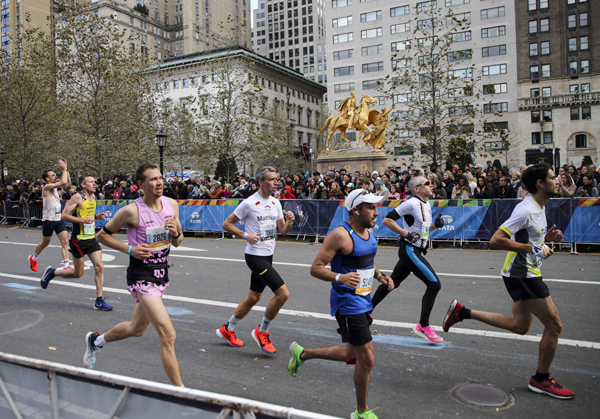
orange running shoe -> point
(33, 264)
(223, 333)
(264, 341)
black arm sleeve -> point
(393, 215)
(107, 231)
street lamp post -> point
(2, 154)
(161, 141)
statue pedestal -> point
(353, 159)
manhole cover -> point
(484, 396)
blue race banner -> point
(579, 219)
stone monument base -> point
(353, 159)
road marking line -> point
(569, 281)
(401, 325)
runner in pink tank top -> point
(152, 228)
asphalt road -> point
(411, 378)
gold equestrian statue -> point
(350, 116)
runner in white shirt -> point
(523, 235)
(418, 224)
(51, 213)
(261, 214)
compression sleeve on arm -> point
(393, 215)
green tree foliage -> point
(226, 167)
(226, 107)
(280, 148)
(28, 112)
(106, 96)
(433, 86)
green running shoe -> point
(364, 415)
(295, 351)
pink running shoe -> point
(428, 333)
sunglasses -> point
(426, 183)
(364, 192)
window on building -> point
(372, 50)
(544, 25)
(535, 92)
(586, 112)
(495, 107)
(461, 36)
(368, 17)
(466, 54)
(536, 138)
(404, 151)
(341, 21)
(450, 3)
(531, 4)
(492, 32)
(495, 126)
(583, 19)
(574, 114)
(534, 71)
(572, 21)
(458, 18)
(585, 88)
(535, 117)
(371, 67)
(572, 68)
(492, 89)
(533, 26)
(548, 137)
(371, 33)
(574, 89)
(495, 50)
(399, 11)
(493, 12)
(343, 87)
(547, 115)
(543, 4)
(545, 48)
(401, 63)
(533, 49)
(341, 38)
(461, 73)
(581, 141)
(371, 84)
(583, 43)
(490, 70)
(584, 66)
(545, 70)
(572, 44)
(398, 46)
(546, 91)
(340, 3)
(399, 28)
(342, 55)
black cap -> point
(316, 174)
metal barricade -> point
(2, 212)
(35, 211)
(16, 211)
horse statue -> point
(341, 121)
(380, 120)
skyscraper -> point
(292, 33)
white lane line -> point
(305, 265)
(401, 325)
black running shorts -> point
(526, 288)
(49, 227)
(80, 248)
(355, 328)
(263, 273)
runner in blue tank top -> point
(351, 250)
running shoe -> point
(367, 414)
(47, 277)
(101, 305)
(427, 333)
(223, 333)
(33, 264)
(551, 388)
(91, 350)
(264, 341)
(452, 316)
(296, 362)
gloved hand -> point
(542, 251)
(439, 222)
(413, 237)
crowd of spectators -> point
(471, 182)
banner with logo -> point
(579, 219)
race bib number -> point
(158, 238)
(57, 210)
(89, 229)
(366, 281)
(267, 233)
(425, 227)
